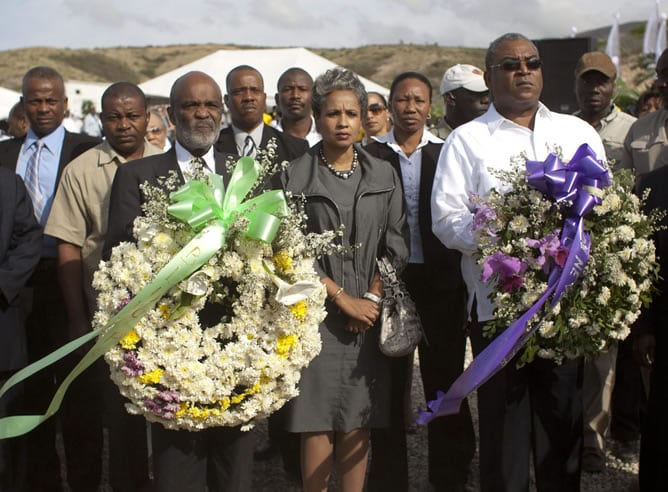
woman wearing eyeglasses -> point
(377, 122)
(345, 391)
(434, 281)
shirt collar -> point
(52, 141)
(183, 157)
(107, 154)
(495, 120)
(391, 141)
(240, 136)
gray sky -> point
(310, 23)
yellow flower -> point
(164, 311)
(299, 310)
(238, 398)
(283, 262)
(224, 404)
(284, 344)
(182, 410)
(152, 377)
(129, 341)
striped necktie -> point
(249, 147)
(31, 180)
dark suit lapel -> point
(11, 153)
(226, 141)
(430, 153)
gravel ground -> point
(617, 476)
(268, 476)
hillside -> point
(380, 63)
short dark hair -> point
(121, 90)
(494, 45)
(337, 79)
(410, 75)
(288, 72)
(19, 111)
(45, 73)
(238, 68)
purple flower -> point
(549, 246)
(482, 216)
(508, 270)
(164, 403)
(132, 366)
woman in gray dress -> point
(345, 390)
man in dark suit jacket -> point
(651, 344)
(20, 248)
(46, 325)
(247, 101)
(219, 458)
(434, 280)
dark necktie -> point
(249, 147)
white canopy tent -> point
(7, 99)
(271, 63)
(79, 91)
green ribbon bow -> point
(209, 210)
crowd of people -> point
(403, 191)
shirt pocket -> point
(648, 156)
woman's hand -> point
(363, 313)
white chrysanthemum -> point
(247, 365)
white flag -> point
(660, 38)
(612, 48)
(651, 30)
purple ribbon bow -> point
(560, 182)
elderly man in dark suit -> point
(220, 458)
(20, 247)
(39, 158)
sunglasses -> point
(515, 64)
(376, 108)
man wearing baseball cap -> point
(465, 96)
(595, 76)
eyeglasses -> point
(376, 108)
(155, 129)
(514, 64)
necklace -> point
(336, 172)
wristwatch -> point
(372, 297)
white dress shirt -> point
(411, 171)
(183, 157)
(470, 153)
(240, 138)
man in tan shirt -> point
(646, 144)
(595, 76)
(79, 221)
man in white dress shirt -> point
(538, 406)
